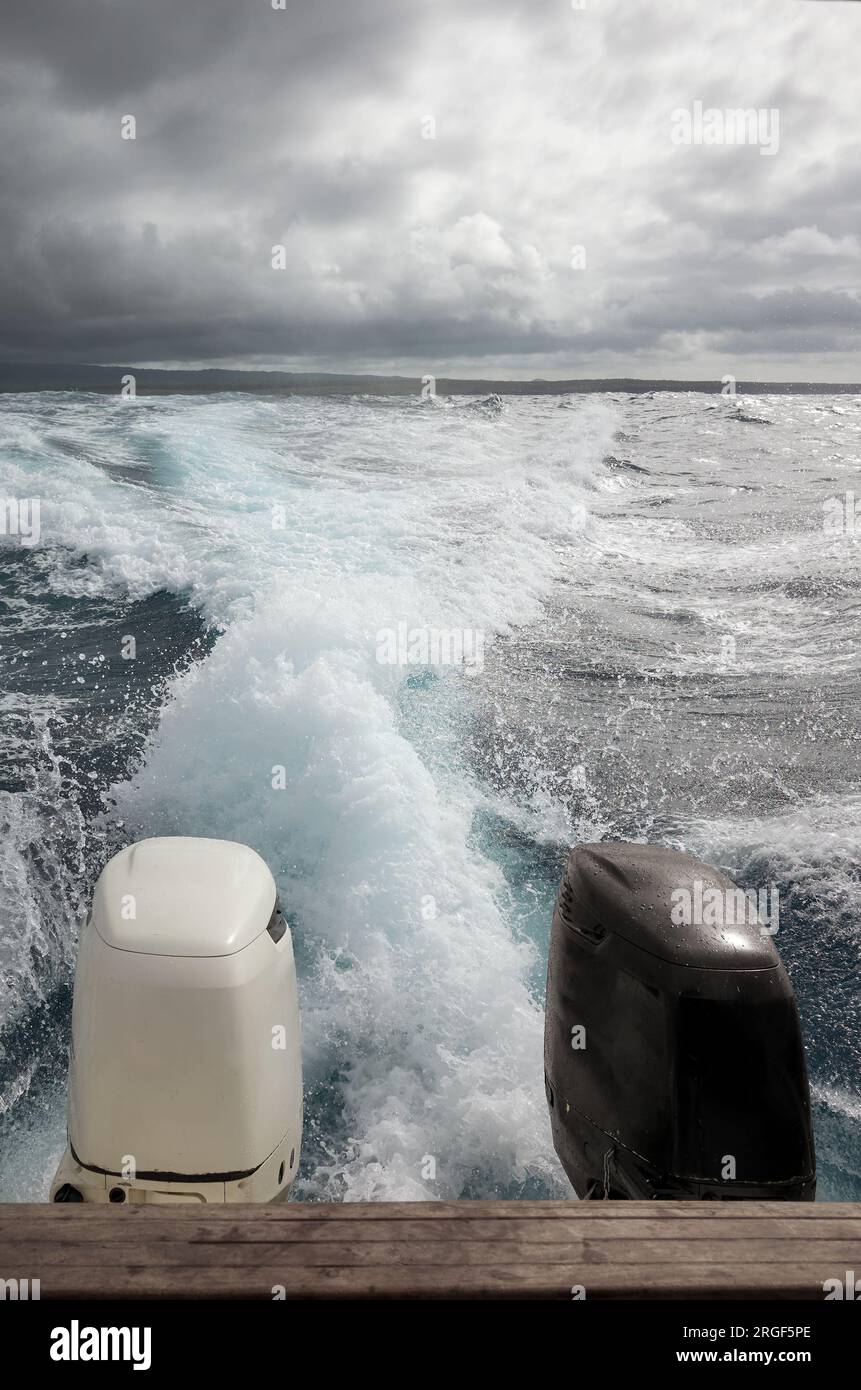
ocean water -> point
(671, 653)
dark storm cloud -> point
(304, 128)
(99, 51)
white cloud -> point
(803, 242)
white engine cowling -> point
(185, 1082)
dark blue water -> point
(672, 655)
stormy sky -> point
(429, 167)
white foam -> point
(421, 1039)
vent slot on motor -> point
(277, 926)
(592, 932)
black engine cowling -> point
(674, 1064)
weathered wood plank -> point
(545, 1232)
(502, 1281)
(435, 1249)
(580, 1253)
(435, 1211)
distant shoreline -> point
(154, 381)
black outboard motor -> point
(673, 1058)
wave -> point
(419, 834)
(422, 1038)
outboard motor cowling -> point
(185, 1082)
(674, 1064)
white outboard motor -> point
(185, 1082)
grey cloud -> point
(257, 127)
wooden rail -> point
(433, 1250)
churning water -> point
(670, 653)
